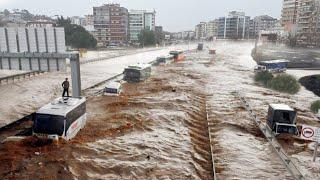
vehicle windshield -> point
(48, 124)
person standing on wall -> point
(65, 86)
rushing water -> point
(158, 129)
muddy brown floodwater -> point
(158, 129)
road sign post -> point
(315, 153)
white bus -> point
(64, 118)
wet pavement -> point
(158, 129)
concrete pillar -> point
(75, 75)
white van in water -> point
(64, 118)
(113, 88)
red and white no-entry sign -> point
(309, 133)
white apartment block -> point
(139, 20)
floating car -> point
(200, 46)
(260, 68)
(282, 119)
(212, 51)
(113, 88)
(178, 55)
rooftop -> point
(60, 106)
(139, 66)
(274, 61)
(283, 107)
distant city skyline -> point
(174, 15)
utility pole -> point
(75, 75)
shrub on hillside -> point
(263, 77)
(284, 83)
(315, 106)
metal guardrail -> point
(20, 76)
(270, 136)
(34, 55)
(214, 176)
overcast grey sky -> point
(173, 15)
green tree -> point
(284, 83)
(263, 77)
(76, 36)
(6, 12)
(147, 38)
(315, 106)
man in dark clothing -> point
(65, 86)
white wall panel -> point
(5, 63)
(12, 40)
(62, 65)
(61, 42)
(50, 40)
(35, 65)
(14, 63)
(32, 39)
(22, 37)
(25, 65)
(44, 65)
(3, 42)
(53, 64)
(41, 40)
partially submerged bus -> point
(63, 118)
(162, 60)
(137, 73)
(178, 55)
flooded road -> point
(158, 129)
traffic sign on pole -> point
(308, 133)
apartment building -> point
(212, 29)
(140, 20)
(308, 22)
(111, 24)
(289, 14)
(77, 20)
(201, 31)
(235, 26)
(262, 23)
(89, 19)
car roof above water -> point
(139, 66)
(113, 85)
(282, 107)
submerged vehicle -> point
(178, 55)
(275, 66)
(260, 68)
(113, 88)
(282, 119)
(164, 60)
(137, 73)
(212, 51)
(63, 118)
(200, 46)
